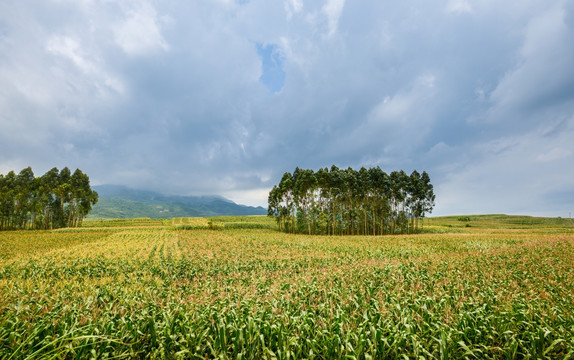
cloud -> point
(531, 86)
(398, 109)
(222, 97)
(140, 31)
(70, 49)
(293, 7)
(554, 154)
(459, 6)
(333, 10)
(508, 174)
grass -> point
(500, 221)
(234, 287)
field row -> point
(257, 293)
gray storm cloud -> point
(222, 97)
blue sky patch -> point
(273, 75)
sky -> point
(221, 97)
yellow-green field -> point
(235, 287)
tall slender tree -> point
(336, 202)
(56, 199)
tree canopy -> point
(56, 199)
(349, 202)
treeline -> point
(54, 200)
(349, 202)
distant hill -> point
(120, 202)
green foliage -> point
(56, 199)
(349, 202)
(253, 219)
(246, 225)
(117, 223)
(223, 222)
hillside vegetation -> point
(124, 203)
(236, 287)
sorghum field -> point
(469, 287)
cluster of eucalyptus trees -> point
(56, 199)
(349, 202)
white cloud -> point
(401, 107)
(70, 49)
(293, 7)
(252, 197)
(140, 32)
(333, 10)
(554, 154)
(459, 6)
(393, 110)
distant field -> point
(473, 287)
(501, 222)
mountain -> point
(119, 202)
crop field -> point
(237, 288)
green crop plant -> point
(246, 290)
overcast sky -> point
(223, 96)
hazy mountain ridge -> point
(117, 201)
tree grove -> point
(56, 199)
(349, 202)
